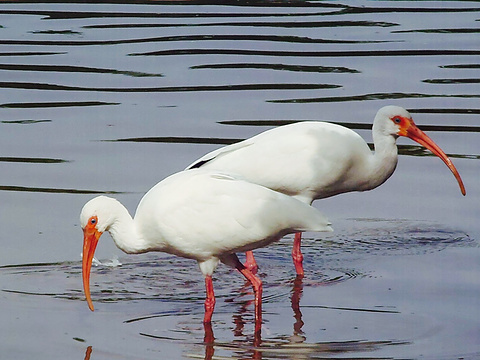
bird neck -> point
(124, 232)
(384, 159)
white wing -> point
(308, 160)
(202, 214)
(215, 154)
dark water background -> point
(111, 97)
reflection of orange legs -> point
(250, 262)
(209, 300)
(208, 341)
(297, 313)
(297, 254)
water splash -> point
(114, 262)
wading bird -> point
(202, 215)
(315, 160)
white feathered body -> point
(199, 214)
(309, 160)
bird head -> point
(95, 218)
(396, 121)
(392, 120)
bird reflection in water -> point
(255, 352)
(297, 313)
(253, 347)
(208, 340)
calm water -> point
(112, 98)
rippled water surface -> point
(113, 97)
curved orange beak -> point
(90, 241)
(414, 133)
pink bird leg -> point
(297, 257)
(257, 288)
(250, 262)
(209, 300)
(297, 254)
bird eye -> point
(93, 221)
(397, 120)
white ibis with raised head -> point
(202, 215)
(314, 160)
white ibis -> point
(201, 215)
(315, 160)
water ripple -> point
(290, 53)
(36, 189)
(73, 69)
(374, 96)
(441, 31)
(262, 23)
(452, 81)
(54, 104)
(281, 67)
(196, 38)
(409, 150)
(328, 261)
(395, 237)
(31, 160)
(198, 88)
(363, 126)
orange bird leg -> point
(88, 352)
(250, 262)
(257, 288)
(209, 300)
(297, 254)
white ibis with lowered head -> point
(202, 215)
(314, 160)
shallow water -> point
(111, 98)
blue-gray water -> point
(114, 97)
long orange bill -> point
(90, 241)
(414, 133)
